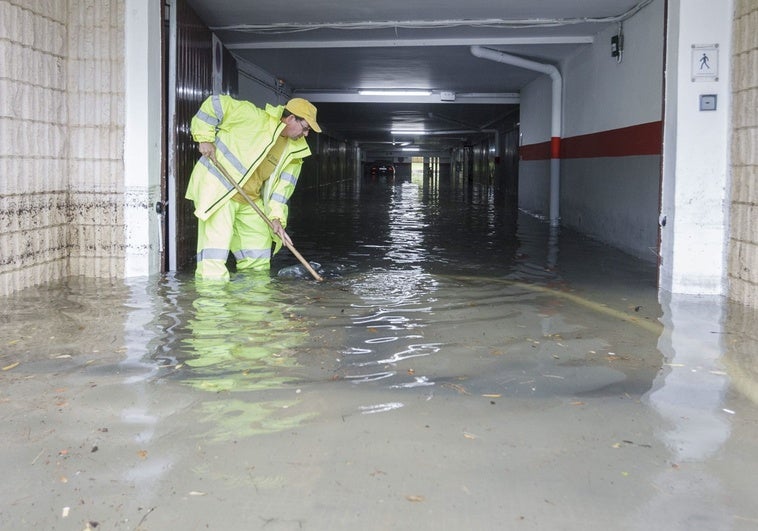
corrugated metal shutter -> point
(193, 68)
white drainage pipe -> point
(555, 123)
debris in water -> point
(456, 387)
(298, 271)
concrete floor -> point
(461, 371)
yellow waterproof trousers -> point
(235, 227)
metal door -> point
(190, 81)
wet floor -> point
(461, 366)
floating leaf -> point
(11, 366)
(492, 395)
(459, 388)
(415, 498)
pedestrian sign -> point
(705, 62)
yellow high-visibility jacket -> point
(243, 135)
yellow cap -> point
(304, 109)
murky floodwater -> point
(461, 367)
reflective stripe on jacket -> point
(243, 135)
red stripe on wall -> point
(539, 151)
(643, 139)
(555, 147)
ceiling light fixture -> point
(373, 92)
(407, 132)
(411, 149)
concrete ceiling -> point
(326, 51)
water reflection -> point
(407, 221)
(239, 337)
(450, 276)
(553, 349)
(690, 395)
(690, 392)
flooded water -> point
(462, 366)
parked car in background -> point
(382, 169)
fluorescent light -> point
(395, 92)
(406, 132)
(411, 149)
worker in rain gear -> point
(263, 150)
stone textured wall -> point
(95, 94)
(743, 244)
(61, 155)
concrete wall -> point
(604, 103)
(605, 97)
(143, 137)
(95, 95)
(743, 242)
(34, 240)
(62, 125)
(534, 174)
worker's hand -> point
(279, 231)
(207, 149)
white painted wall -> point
(142, 137)
(696, 153)
(616, 199)
(612, 199)
(534, 175)
(602, 94)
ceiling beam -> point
(502, 98)
(390, 43)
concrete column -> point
(142, 137)
(696, 150)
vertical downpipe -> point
(555, 119)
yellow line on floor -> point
(654, 327)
